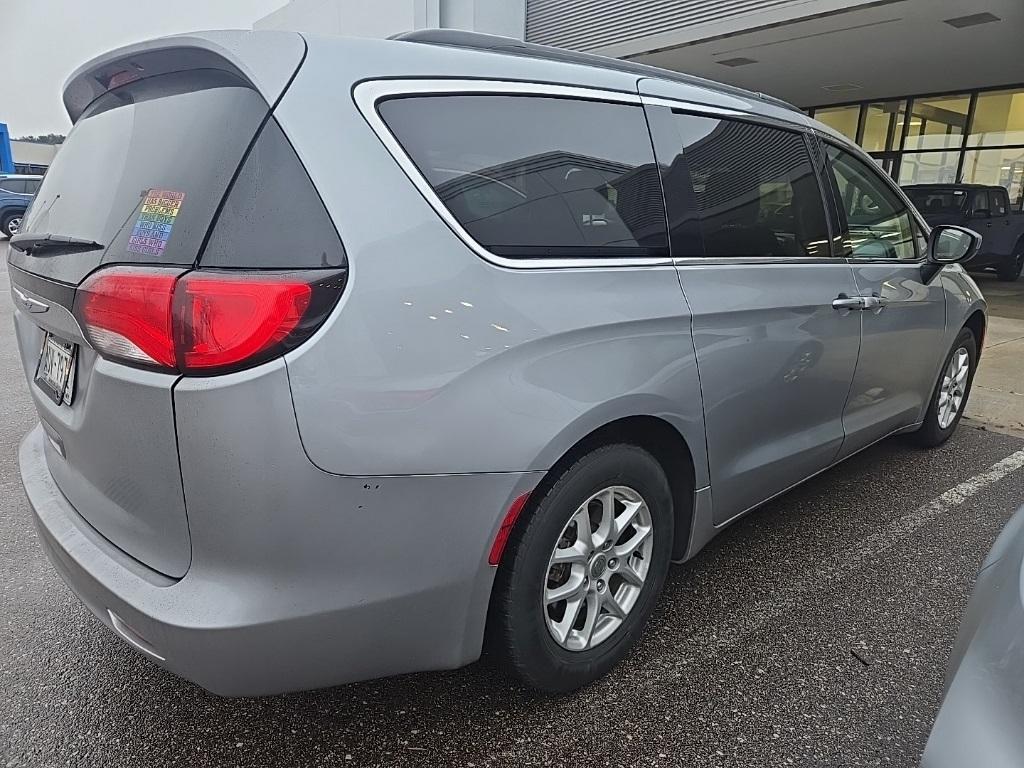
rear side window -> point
(980, 201)
(533, 176)
(998, 202)
(273, 216)
(13, 185)
(755, 189)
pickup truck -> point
(984, 209)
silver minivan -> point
(353, 356)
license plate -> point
(55, 374)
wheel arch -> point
(977, 324)
(663, 441)
(652, 433)
(11, 210)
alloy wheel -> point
(954, 387)
(14, 225)
(598, 568)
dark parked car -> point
(15, 194)
(985, 210)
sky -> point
(45, 40)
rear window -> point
(944, 201)
(532, 176)
(143, 172)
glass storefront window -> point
(883, 124)
(998, 119)
(886, 162)
(1004, 167)
(938, 123)
(842, 119)
(928, 167)
(939, 142)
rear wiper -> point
(33, 243)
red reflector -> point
(128, 314)
(514, 510)
(123, 77)
(224, 320)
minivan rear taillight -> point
(202, 322)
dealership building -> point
(933, 89)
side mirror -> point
(981, 213)
(948, 244)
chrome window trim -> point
(367, 93)
(701, 109)
(718, 261)
(697, 107)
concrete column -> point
(495, 17)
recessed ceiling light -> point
(739, 61)
(972, 21)
(840, 87)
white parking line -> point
(837, 565)
(954, 497)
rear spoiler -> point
(267, 60)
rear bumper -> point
(242, 627)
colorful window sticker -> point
(156, 220)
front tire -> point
(949, 399)
(582, 575)
(1010, 270)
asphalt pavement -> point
(814, 632)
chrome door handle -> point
(859, 302)
(849, 302)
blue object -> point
(6, 159)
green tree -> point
(46, 138)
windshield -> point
(938, 200)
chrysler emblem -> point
(29, 304)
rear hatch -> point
(160, 131)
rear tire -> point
(612, 578)
(1010, 270)
(949, 398)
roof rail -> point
(479, 41)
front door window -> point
(879, 224)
